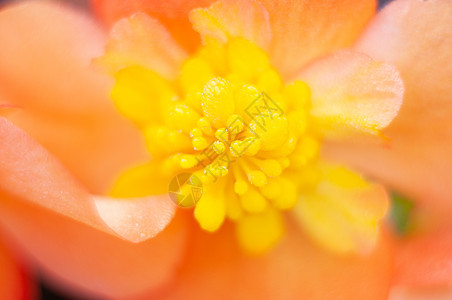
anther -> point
(257, 178)
(218, 147)
(235, 125)
(205, 126)
(188, 161)
(199, 143)
(222, 134)
(196, 132)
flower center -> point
(227, 140)
(227, 130)
(238, 128)
(230, 121)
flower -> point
(50, 213)
(249, 128)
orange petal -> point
(13, 282)
(143, 41)
(65, 228)
(30, 173)
(44, 70)
(172, 13)
(295, 269)
(352, 93)
(417, 160)
(87, 260)
(435, 293)
(315, 27)
(233, 18)
(306, 29)
(424, 260)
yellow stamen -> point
(188, 161)
(196, 132)
(253, 201)
(240, 187)
(219, 147)
(205, 126)
(257, 178)
(235, 125)
(222, 134)
(200, 143)
(258, 232)
(182, 116)
(272, 130)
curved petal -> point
(143, 41)
(295, 269)
(80, 257)
(172, 13)
(74, 234)
(13, 283)
(30, 173)
(303, 30)
(425, 260)
(352, 93)
(316, 27)
(45, 72)
(417, 160)
(233, 18)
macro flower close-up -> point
(226, 149)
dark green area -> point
(400, 213)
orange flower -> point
(77, 144)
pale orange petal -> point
(232, 18)
(172, 13)
(436, 293)
(143, 41)
(113, 10)
(45, 72)
(303, 30)
(295, 269)
(30, 173)
(83, 239)
(425, 260)
(352, 93)
(88, 260)
(417, 160)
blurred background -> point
(49, 292)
